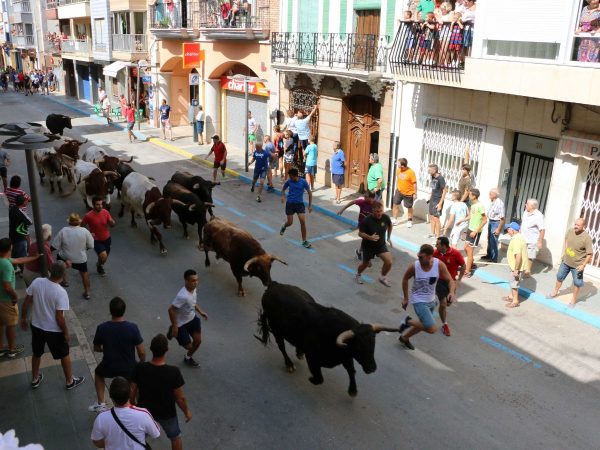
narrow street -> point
(524, 378)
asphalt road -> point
(525, 378)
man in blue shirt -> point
(310, 158)
(338, 164)
(295, 203)
(165, 122)
(262, 157)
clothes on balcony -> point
(456, 37)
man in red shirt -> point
(365, 205)
(98, 220)
(456, 266)
(220, 152)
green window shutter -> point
(367, 4)
(290, 15)
(308, 16)
(391, 13)
(343, 14)
(325, 16)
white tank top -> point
(423, 288)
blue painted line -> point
(299, 244)
(402, 243)
(263, 226)
(330, 235)
(236, 212)
(510, 351)
(218, 202)
(365, 278)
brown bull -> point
(69, 148)
(244, 254)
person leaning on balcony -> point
(589, 19)
(426, 6)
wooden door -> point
(365, 39)
(367, 21)
(360, 128)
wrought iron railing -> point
(76, 46)
(21, 7)
(205, 14)
(367, 52)
(132, 43)
(421, 51)
(70, 2)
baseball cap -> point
(514, 225)
(215, 136)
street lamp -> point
(142, 63)
(28, 137)
(246, 79)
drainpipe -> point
(394, 141)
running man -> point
(220, 151)
(426, 272)
(455, 263)
(373, 233)
(98, 220)
(295, 203)
(365, 206)
(262, 158)
(185, 324)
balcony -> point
(330, 52)
(23, 41)
(80, 49)
(71, 9)
(209, 18)
(131, 46)
(21, 7)
(21, 12)
(419, 53)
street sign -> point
(254, 87)
(194, 79)
(192, 55)
(147, 79)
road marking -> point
(171, 147)
(510, 351)
(263, 226)
(236, 212)
(330, 235)
(299, 244)
(218, 202)
(366, 278)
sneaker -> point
(270, 188)
(3, 351)
(282, 230)
(14, 352)
(189, 361)
(252, 188)
(409, 224)
(169, 333)
(385, 281)
(100, 270)
(405, 326)
(430, 236)
(406, 343)
(36, 383)
(358, 279)
(446, 329)
(76, 382)
(98, 407)
(395, 222)
(258, 199)
(64, 284)
(306, 244)
(358, 254)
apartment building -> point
(338, 50)
(20, 31)
(234, 44)
(516, 100)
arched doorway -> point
(304, 99)
(359, 137)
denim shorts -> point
(424, 312)
(311, 170)
(171, 427)
(563, 272)
(185, 332)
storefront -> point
(234, 118)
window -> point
(521, 49)
(139, 22)
(586, 41)
(121, 23)
(450, 144)
(99, 38)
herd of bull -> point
(326, 336)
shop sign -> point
(194, 79)
(254, 87)
(147, 79)
(192, 55)
(580, 148)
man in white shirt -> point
(72, 243)
(185, 324)
(252, 127)
(49, 301)
(109, 427)
(533, 230)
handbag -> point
(127, 432)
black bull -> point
(327, 336)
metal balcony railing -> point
(21, 7)
(71, 2)
(368, 52)
(131, 43)
(439, 53)
(76, 46)
(23, 41)
(206, 14)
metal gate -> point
(449, 144)
(590, 209)
(237, 119)
(302, 99)
(534, 173)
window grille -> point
(450, 144)
(590, 209)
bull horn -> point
(68, 158)
(277, 258)
(192, 207)
(179, 202)
(209, 204)
(196, 186)
(149, 207)
(80, 143)
(110, 173)
(126, 160)
(343, 337)
(250, 262)
(97, 161)
(377, 328)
